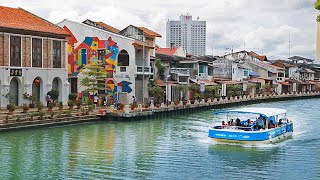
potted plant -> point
(31, 101)
(54, 94)
(50, 106)
(41, 114)
(70, 104)
(83, 111)
(11, 107)
(68, 112)
(25, 108)
(39, 106)
(133, 105)
(73, 96)
(78, 103)
(60, 105)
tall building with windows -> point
(187, 33)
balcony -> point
(181, 71)
(147, 70)
(122, 69)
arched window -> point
(123, 58)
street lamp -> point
(167, 89)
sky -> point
(263, 26)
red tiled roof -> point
(261, 58)
(110, 28)
(149, 32)
(168, 51)
(140, 43)
(18, 18)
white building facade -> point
(189, 34)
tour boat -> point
(251, 126)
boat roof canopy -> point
(261, 111)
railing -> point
(181, 71)
(122, 69)
(147, 70)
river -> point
(168, 148)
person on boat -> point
(271, 125)
(238, 123)
(232, 122)
(229, 123)
(280, 122)
(223, 123)
(248, 123)
(257, 127)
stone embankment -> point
(182, 108)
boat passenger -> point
(238, 123)
(229, 123)
(232, 122)
(257, 127)
(248, 124)
(280, 122)
(223, 123)
(271, 125)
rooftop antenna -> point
(289, 44)
(212, 40)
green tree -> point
(317, 6)
(156, 92)
(92, 78)
(160, 69)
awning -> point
(285, 83)
(206, 82)
(252, 73)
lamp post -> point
(167, 89)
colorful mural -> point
(90, 51)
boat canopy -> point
(261, 111)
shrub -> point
(39, 106)
(68, 112)
(78, 102)
(73, 96)
(54, 94)
(60, 105)
(11, 107)
(70, 103)
(50, 105)
(25, 107)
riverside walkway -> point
(180, 109)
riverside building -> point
(33, 57)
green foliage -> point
(54, 94)
(73, 96)
(42, 114)
(92, 78)
(79, 102)
(39, 106)
(50, 105)
(234, 90)
(70, 103)
(11, 107)
(194, 88)
(160, 68)
(60, 105)
(156, 92)
(317, 5)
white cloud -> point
(262, 24)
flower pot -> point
(78, 107)
(60, 108)
(25, 111)
(49, 109)
(31, 105)
(71, 107)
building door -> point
(14, 90)
(36, 88)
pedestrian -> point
(48, 99)
(134, 100)
(95, 100)
(105, 101)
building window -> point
(245, 73)
(269, 74)
(15, 51)
(36, 52)
(56, 54)
(74, 85)
(123, 58)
